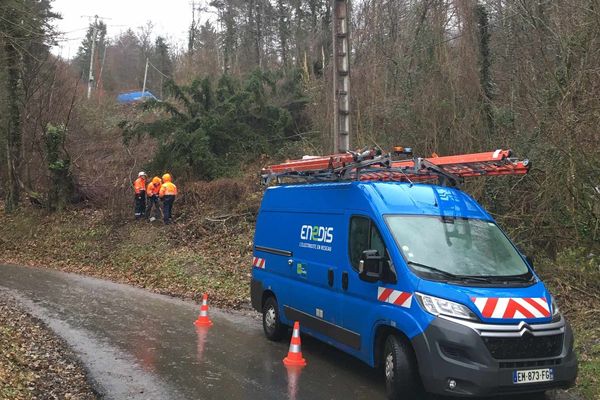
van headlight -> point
(437, 306)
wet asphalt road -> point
(139, 345)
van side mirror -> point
(370, 266)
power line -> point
(69, 39)
(21, 26)
(158, 70)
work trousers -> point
(168, 208)
(153, 204)
(140, 205)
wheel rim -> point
(389, 367)
(270, 318)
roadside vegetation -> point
(574, 278)
(208, 249)
(34, 364)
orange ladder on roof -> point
(372, 164)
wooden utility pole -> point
(91, 74)
(145, 78)
(341, 75)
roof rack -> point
(374, 165)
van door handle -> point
(345, 280)
(330, 277)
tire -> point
(400, 371)
(272, 326)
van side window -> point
(377, 241)
(364, 235)
(359, 238)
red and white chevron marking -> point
(396, 297)
(259, 263)
(512, 307)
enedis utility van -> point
(415, 278)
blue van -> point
(417, 279)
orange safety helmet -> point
(166, 178)
(156, 180)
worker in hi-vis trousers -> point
(152, 192)
(140, 195)
(168, 192)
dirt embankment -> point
(207, 250)
(34, 364)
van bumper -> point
(451, 351)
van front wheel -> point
(401, 379)
(274, 329)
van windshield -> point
(456, 248)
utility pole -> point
(145, 77)
(91, 74)
(99, 83)
(192, 32)
(341, 75)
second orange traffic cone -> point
(203, 319)
(294, 357)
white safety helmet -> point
(142, 174)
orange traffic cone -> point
(294, 357)
(203, 319)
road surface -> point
(140, 345)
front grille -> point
(525, 347)
(530, 364)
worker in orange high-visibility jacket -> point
(139, 186)
(152, 192)
(168, 192)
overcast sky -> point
(171, 18)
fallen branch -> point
(225, 218)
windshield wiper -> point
(514, 278)
(463, 278)
(432, 269)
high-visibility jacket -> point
(168, 189)
(153, 189)
(139, 185)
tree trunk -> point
(283, 33)
(13, 129)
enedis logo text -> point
(317, 234)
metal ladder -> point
(374, 165)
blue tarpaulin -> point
(133, 97)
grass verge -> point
(180, 260)
(574, 278)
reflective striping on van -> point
(259, 263)
(512, 307)
(395, 297)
